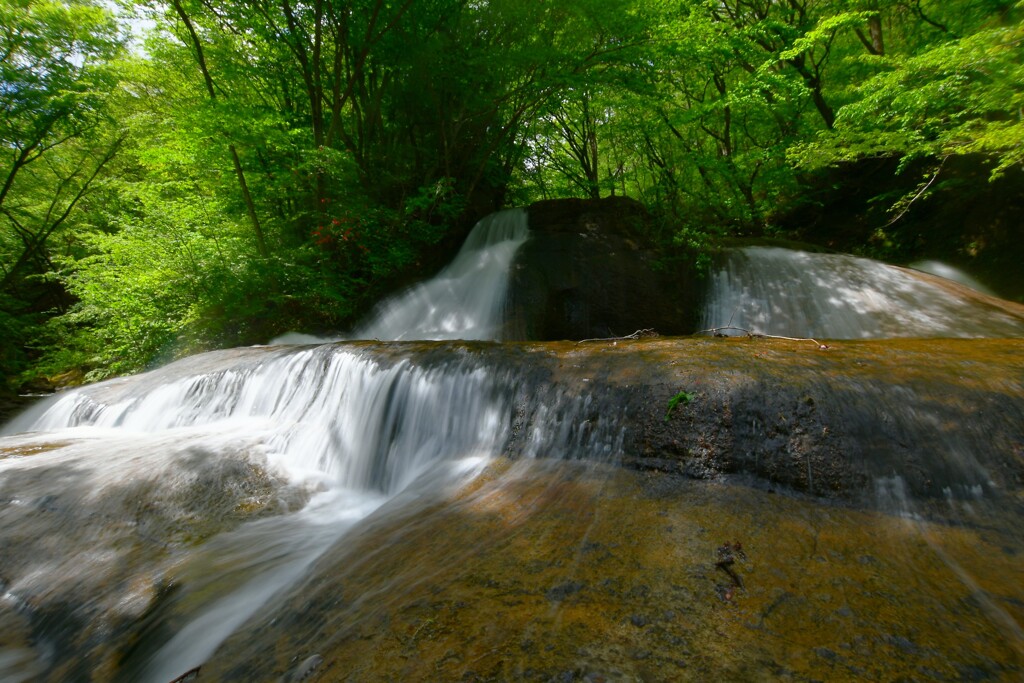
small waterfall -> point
(322, 410)
(330, 430)
(770, 290)
(325, 423)
(331, 424)
(466, 299)
(126, 476)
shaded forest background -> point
(190, 174)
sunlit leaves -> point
(56, 81)
(958, 96)
(367, 130)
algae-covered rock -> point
(567, 571)
(678, 569)
(946, 416)
(784, 511)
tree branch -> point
(646, 332)
(758, 335)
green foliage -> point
(682, 397)
(960, 97)
(438, 200)
(275, 165)
(56, 82)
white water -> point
(770, 290)
(940, 269)
(325, 424)
(325, 420)
(466, 299)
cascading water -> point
(262, 509)
(466, 299)
(770, 290)
(344, 430)
(240, 434)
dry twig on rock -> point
(716, 331)
(646, 332)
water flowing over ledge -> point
(465, 300)
(204, 459)
(193, 450)
(149, 524)
(786, 292)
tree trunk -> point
(813, 83)
(875, 31)
(261, 245)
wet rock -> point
(830, 423)
(911, 443)
(87, 559)
(910, 589)
(564, 591)
(590, 270)
(303, 670)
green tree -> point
(281, 164)
(960, 93)
(56, 79)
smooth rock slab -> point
(568, 571)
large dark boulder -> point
(590, 271)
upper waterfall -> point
(770, 290)
(466, 299)
(940, 269)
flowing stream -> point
(785, 292)
(323, 433)
(169, 509)
(324, 424)
(465, 300)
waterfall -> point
(770, 290)
(308, 439)
(146, 519)
(323, 410)
(329, 424)
(466, 299)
